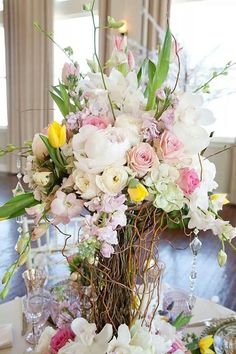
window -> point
(206, 31)
(3, 94)
(73, 28)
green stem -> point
(97, 58)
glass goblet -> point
(34, 279)
(36, 307)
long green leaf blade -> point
(16, 206)
(60, 103)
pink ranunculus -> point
(141, 158)
(188, 180)
(107, 250)
(69, 70)
(60, 339)
(98, 122)
(65, 207)
(171, 146)
(131, 61)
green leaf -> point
(142, 70)
(65, 98)
(151, 70)
(112, 23)
(181, 320)
(4, 292)
(133, 183)
(87, 7)
(54, 154)
(162, 69)
(68, 51)
(60, 103)
(16, 206)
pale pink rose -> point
(107, 250)
(120, 43)
(39, 231)
(131, 61)
(141, 158)
(188, 180)
(60, 339)
(39, 149)
(171, 146)
(65, 207)
(98, 122)
(69, 70)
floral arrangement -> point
(129, 156)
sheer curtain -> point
(29, 64)
(233, 178)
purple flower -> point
(150, 128)
(73, 121)
(167, 118)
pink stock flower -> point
(178, 345)
(170, 145)
(113, 203)
(98, 122)
(107, 250)
(36, 212)
(60, 339)
(150, 128)
(65, 207)
(131, 61)
(167, 118)
(120, 43)
(69, 70)
(141, 158)
(107, 234)
(188, 180)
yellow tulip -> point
(222, 196)
(57, 134)
(204, 345)
(137, 193)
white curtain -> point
(233, 178)
(29, 64)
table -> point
(10, 312)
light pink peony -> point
(171, 147)
(141, 158)
(188, 180)
(107, 250)
(69, 70)
(60, 339)
(98, 122)
(65, 207)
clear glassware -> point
(34, 279)
(176, 301)
(36, 307)
(225, 339)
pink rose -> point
(62, 336)
(69, 70)
(188, 180)
(141, 158)
(170, 146)
(98, 122)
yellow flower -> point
(220, 196)
(204, 345)
(57, 134)
(137, 193)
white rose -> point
(39, 148)
(113, 180)
(86, 184)
(131, 127)
(96, 149)
(44, 340)
(42, 179)
(194, 137)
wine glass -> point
(36, 307)
(34, 278)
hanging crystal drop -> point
(195, 247)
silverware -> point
(211, 321)
(24, 326)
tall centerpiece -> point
(129, 155)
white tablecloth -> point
(10, 312)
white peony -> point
(85, 184)
(96, 149)
(112, 180)
(131, 126)
(44, 340)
